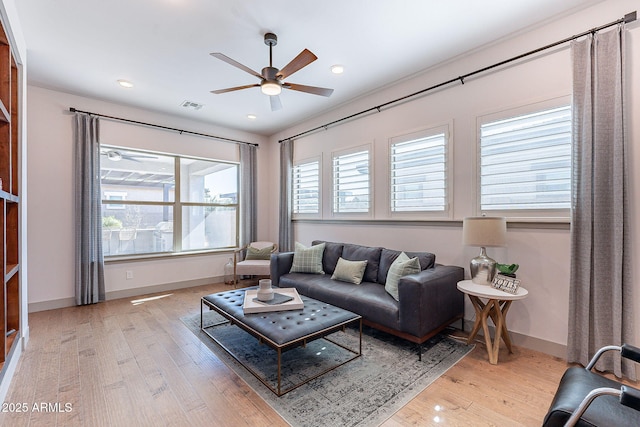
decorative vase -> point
(482, 268)
(265, 292)
(228, 272)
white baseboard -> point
(51, 305)
(128, 293)
(125, 293)
(532, 343)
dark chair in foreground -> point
(586, 399)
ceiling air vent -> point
(191, 105)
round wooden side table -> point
(496, 307)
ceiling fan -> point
(116, 156)
(272, 79)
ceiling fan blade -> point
(276, 104)
(236, 64)
(303, 59)
(139, 156)
(309, 89)
(131, 159)
(231, 89)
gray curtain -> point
(89, 260)
(286, 239)
(248, 194)
(600, 311)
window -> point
(525, 163)
(209, 199)
(418, 172)
(111, 195)
(154, 217)
(306, 188)
(351, 179)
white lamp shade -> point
(484, 231)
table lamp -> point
(483, 231)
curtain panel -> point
(600, 304)
(89, 260)
(248, 194)
(286, 238)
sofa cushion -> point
(332, 252)
(402, 266)
(426, 259)
(364, 253)
(307, 260)
(349, 271)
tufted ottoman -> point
(281, 330)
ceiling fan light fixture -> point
(270, 88)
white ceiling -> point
(163, 46)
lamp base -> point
(483, 269)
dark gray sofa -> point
(428, 301)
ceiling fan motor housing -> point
(270, 73)
(270, 84)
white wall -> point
(543, 252)
(50, 236)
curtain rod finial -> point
(73, 110)
(630, 17)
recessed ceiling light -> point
(125, 83)
(337, 69)
(251, 116)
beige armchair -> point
(253, 259)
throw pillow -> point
(358, 253)
(255, 253)
(349, 271)
(307, 260)
(402, 266)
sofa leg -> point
(419, 352)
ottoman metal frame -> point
(287, 336)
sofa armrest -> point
(430, 298)
(280, 264)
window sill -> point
(164, 256)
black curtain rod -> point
(629, 17)
(181, 131)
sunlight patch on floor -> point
(143, 300)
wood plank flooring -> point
(132, 362)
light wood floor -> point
(131, 362)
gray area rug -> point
(363, 392)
